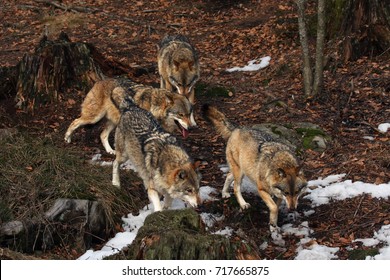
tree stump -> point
(181, 235)
(363, 26)
(55, 67)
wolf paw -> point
(67, 139)
(245, 206)
(225, 195)
(110, 151)
(116, 184)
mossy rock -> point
(282, 133)
(210, 90)
(181, 235)
(298, 136)
(313, 137)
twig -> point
(370, 125)
(67, 8)
(388, 49)
(357, 209)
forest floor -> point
(354, 101)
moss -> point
(180, 234)
(213, 90)
(361, 254)
(308, 134)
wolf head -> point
(180, 114)
(288, 183)
(180, 176)
(184, 72)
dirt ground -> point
(354, 101)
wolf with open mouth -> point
(173, 111)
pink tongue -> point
(184, 132)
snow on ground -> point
(382, 235)
(320, 191)
(253, 65)
(383, 127)
(345, 189)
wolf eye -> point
(190, 191)
(301, 187)
(182, 174)
(279, 188)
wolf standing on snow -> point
(270, 165)
(178, 65)
(163, 165)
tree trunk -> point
(306, 71)
(319, 67)
(363, 26)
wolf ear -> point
(281, 173)
(169, 97)
(196, 164)
(299, 170)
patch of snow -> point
(253, 65)
(227, 231)
(383, 127)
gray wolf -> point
(173, 111)
(270, 165)
(178, 65)
(163, 165)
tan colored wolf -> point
(270, 165)
(163, 165)
(178, 65)
(172, 110)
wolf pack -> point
(146, 118)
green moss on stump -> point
(180, 235)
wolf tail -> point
(223, 126)
(121, 99)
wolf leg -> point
(86, 118)
(237, 192)
(119, 159)
(154, 199)
(104, 136)
(228, 182)
(167, 201)
(272, 206)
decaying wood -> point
(85, 216)
(362, 27)
(8, 254)
(55, 67)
